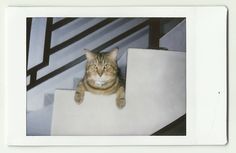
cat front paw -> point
(79, 98)
(120, 103)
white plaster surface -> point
(155, 95)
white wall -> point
(175, 39)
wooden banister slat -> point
(62, 22)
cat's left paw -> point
(79, 98)
(120, 103)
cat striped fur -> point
(101, 77)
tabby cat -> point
(101, 77)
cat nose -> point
(100, 74)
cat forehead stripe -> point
(100, 58)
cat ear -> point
(113, 53)
(89, 54)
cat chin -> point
(99, 83)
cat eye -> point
(106, 67)
(92, 67)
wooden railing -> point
(154, 36)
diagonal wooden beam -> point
(62, 22)
(82, 35)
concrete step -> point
(39, 122)
(155, 95)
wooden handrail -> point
(50, 51)
(82, 58)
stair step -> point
(48, 99)
(155, 95)
(39, 122)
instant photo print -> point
(116, 76)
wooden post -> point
(154, 33)
(28, 31)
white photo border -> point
(206, 52)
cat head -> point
(102, 66)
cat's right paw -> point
(79, 98)
(120, 103)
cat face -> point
(101, 67)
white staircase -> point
(155, 95)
